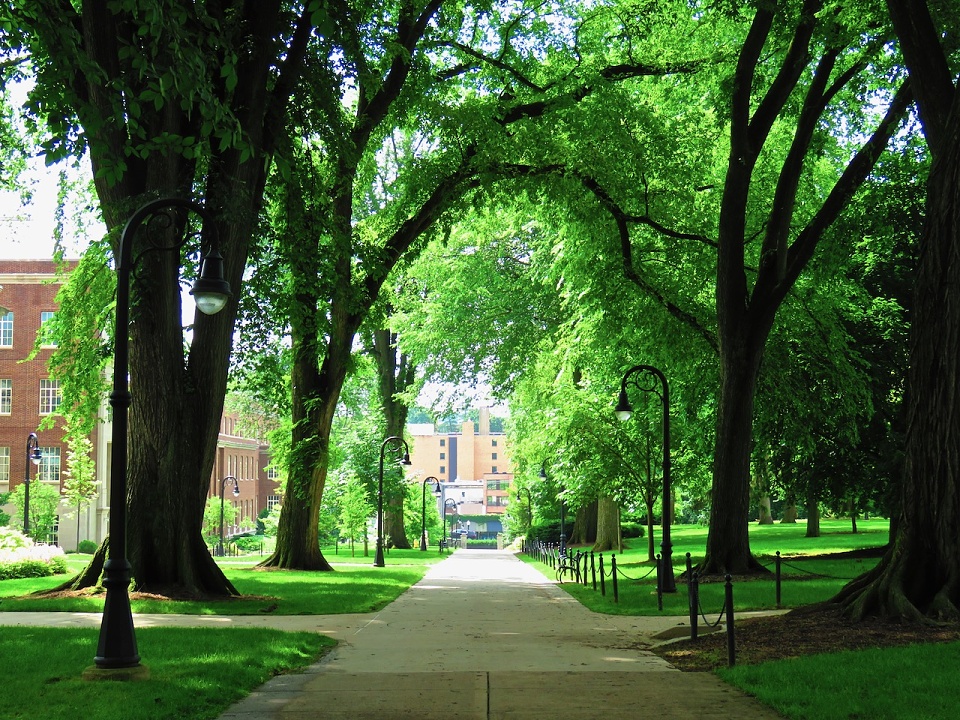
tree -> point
(355, 511)
(80, 477)
(410, 77)
(396, 375)
(44, 500)
(167, 98)
(916, 579)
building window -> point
(494, 443)
(6, 396)
(49, 396)
(493, 469)
(45, 333)
(497, 500)
(443, 456)
(5, 465)
(49, 471)
(273, 501)
(6, 330)
(494, 456)
(443, 469)
(53, 538)
(443, 443)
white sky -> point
(26, 231)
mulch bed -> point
(798, 633)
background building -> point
(28, 290)
(473, 466)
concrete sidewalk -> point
(486, 636)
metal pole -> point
(33, 453)
(117, 647)
(731, 637)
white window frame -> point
(6, 396)
(50, 396)
(6, 330)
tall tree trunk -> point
(608, 525)
(728, 542)
(177, 394)
(585, 525)
(813, 516)
(651, 540)
(395, 374)
(919, 577)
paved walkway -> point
(483, 636)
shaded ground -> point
(802, 632)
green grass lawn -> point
(354, 587)
(806, 577)
(194, 673)
(918, 682)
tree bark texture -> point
(585, 525)
(608, 525)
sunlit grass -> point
(918, 682)
(194, 673)
(353, 587)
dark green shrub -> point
(87, 546)
(248, 543)
(33, 568)
(548, 532)
(632, 530)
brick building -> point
(28, 290)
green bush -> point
(88, 547)
(248, 543)
(17, 569)
(545, 532)
(20, 557)
(632, 530)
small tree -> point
(211, 518)
(80, 476)
(355, 509)
(44, 500)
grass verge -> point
(352, 588)
(195, 673)
(917, 682)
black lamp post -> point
(563, 513)
(423, 508)
(529, 505)
(236, 493)
(34, 455)
(404, 460)
(117, 648)
(647, 378)
(453, 518)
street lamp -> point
(423, 508)
(453, 503)
(405, 460)
(117, 648)
(563, 527)
(236, 493)
(33, 454)
(647, 378)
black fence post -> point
(778, 579)
(593, 570)
(689, 567)
(731, 638)
(603, 584)
(693, 596)
(613, 574)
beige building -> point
(473, 465)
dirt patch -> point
(798, 633)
